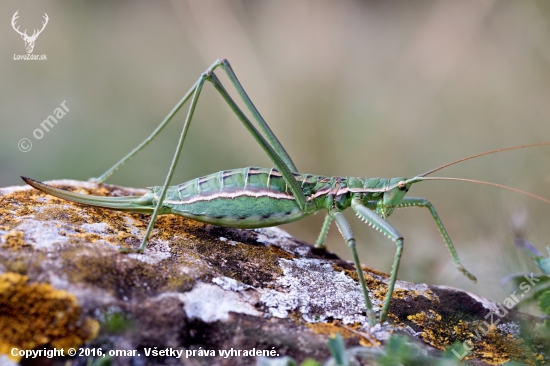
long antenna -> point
(482, 154)
(420, 178)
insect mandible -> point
(260, 197)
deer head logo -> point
(29, 40)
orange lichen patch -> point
(422, 317)
(381, 291)
(332, 328)
(70, 215)
(365, 339)
(347, 331)
(394, 317)
(371, 281)
(100, 191)
(169, 226)
(483, 341)
(14, 239)
(432, 318)
(281, 253)
(8, 212)
(125, 237)
(375, 271)
(88, 237)
(379, 288)
(427, 294)
(400, 293)
(24, 211)
(36, 314)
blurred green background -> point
(363, 88)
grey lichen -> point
(318, 292)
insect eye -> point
(402, 185)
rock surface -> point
(201, 289)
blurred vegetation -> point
(363, 88)
(541, 285)
(397, 351)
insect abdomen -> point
(244, 198)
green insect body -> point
(260, 197)
(242, 198)
(251, 197)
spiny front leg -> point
(345, 230)
(372, 219)
(422, 202)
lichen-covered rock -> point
(213, 295)
(36, 314)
